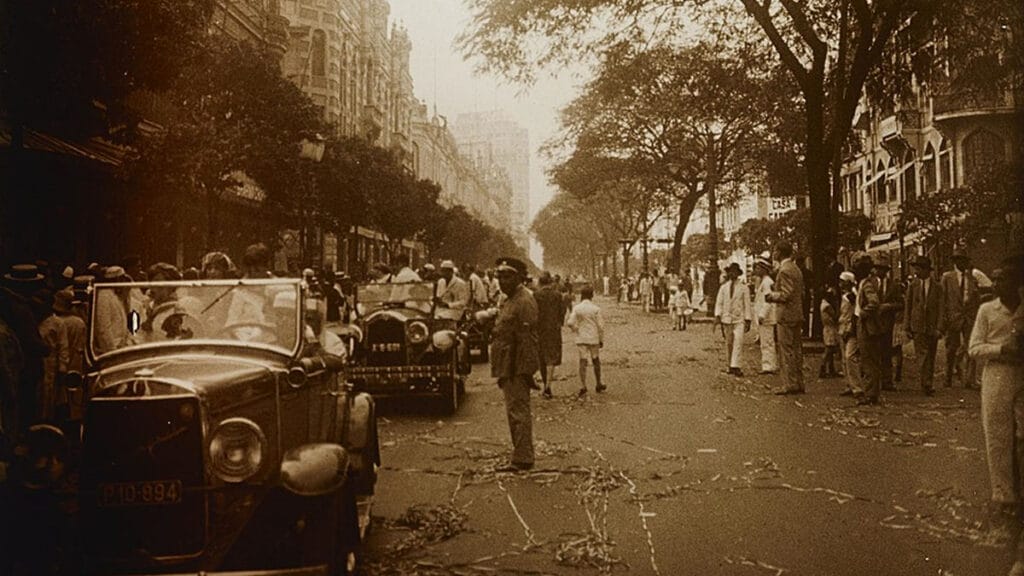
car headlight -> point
(443, 339)
(236, 449)
(417, 332)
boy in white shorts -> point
(586, 322)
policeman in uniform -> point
(514, 356)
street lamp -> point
(311, 149)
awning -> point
(95, 149)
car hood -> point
(401, 314)
(217, 380)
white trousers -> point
(769, 353)
(1001, 385)
(734, 343)
(851, 365)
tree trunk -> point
(686, 207)
(709, 186)
(818, 160)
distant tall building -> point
(495, 138)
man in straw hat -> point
(764, 316)
(514, 357)
(732, 310)
(924, 319)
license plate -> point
(143, 493)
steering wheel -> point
(260, 332)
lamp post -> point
(311, 149)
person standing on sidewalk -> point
(997, 338)
(764, 316)
(848, 334)
(829, 335)
(514, 356)
(550, 315)
(789, 296)
(732, 310)
(924, 320)
(588, 324)
(870, 332)
(890, 296)
(960, 289)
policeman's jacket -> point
(514, 337)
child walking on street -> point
(679, 307)
(586, 322)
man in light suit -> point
(788, 297)
(732, 309)
(960, 301)
(924, 319)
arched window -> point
(909, 177)
(880, 183)
(946, 165)
(928, 180)
(319, 53)
(982, 149)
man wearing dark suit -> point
(960, 300)
(789, 299)
(870, 328)
(890, 297)
(924, 319)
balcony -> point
(277, 34)
(953, 106)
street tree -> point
(828, 48)
(690, 121)
(228, 113)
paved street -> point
(680, 469)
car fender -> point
(314, 469)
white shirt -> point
(764, 310)
(406, 274)
(733, 302)
(586, 321)
(478, 291)
(993, 327)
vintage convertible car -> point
(411, 346)
(218, 436)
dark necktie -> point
(963, 295)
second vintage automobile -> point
(218, 436)
(411, 345)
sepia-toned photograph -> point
(512, 287)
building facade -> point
(495, 138)
(482, 187)
(933, 142)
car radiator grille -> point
(142, 478)
(385, 342)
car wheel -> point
(450, 396)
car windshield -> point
(418, 295)
(254, 313)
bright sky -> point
(441, 77)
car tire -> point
(450, 397)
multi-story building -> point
(935, 141)
(482, 188)
(343, 55)
(258, 22)
(499, 140)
